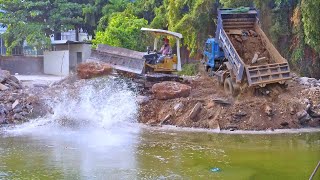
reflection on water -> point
(94, 135)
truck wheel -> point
(228, 87)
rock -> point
(221, 101)
(16, 102)
(4, 75)
(232, 127)
(18, 117)
(292, 111)
(14, 79)
(238, 38)
(2, 119)
(41, 85)
(165, 120)
(240, 114)
(141, 100)
(3, 109)
(23, 113)
(268, 110)
(253, 33)
(17, 86)
(303, 117)
(284, 124)
(170, 90)
(3, 87)
(210, 105)
(17, 109)
(195, 111)
(93, 69)
(178, 107)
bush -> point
(189, 70)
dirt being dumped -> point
(249, 43)
(208, 106)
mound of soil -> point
(209, 107)
(247, 45)
(93, 69)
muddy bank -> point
(198, 102)
(207, 106)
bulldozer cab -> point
(158, 61)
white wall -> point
(73, 49)
(56, 63)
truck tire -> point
(228, 87)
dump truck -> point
(241, 53)
(140, 63)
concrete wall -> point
(22, 64)
(56, 63)
(73, 49)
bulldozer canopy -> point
(161, 31)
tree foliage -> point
(34, 21)
(311, 22)
(123, 31)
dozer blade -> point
(120, 58)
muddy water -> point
(94, 135)
(133, 152)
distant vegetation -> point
(293, 26)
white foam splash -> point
(100, 104)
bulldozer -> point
(136, 62)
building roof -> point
(63, 42)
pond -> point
(136, 152)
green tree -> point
(123, 31)
(34, 21)
(311, 22)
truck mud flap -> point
(268, 74)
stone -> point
(13, 84)
(141, 100)
(195, 111)
(268, 110)
(23, 113)
(14, 79)
(4, 75)
(16, 102)
(17, 109)
(292, 111)
(210, 105)
(3, 87)
(221, 101)
(178, 107)
(303, 117)
(18, 117)
(3, 109)
(93, 69)
(170, 90)
(284, 124)
(240, 114)
(253, 33)
(165, 120)
(2, 119)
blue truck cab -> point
(213, 55)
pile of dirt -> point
(249, 43)
(93, 69)
(208, 106)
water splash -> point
(101, 103)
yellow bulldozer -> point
(142, 62)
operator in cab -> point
(164, 51)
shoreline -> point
(217, 131)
